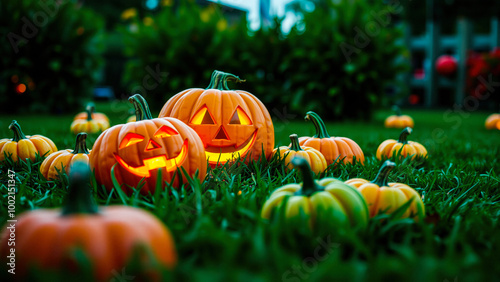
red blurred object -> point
(20, 88)
(419, 74)
(414, 99)
(446, 65)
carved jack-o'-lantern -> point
(139, 149)
(231, 123)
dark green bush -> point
(50, 48)
(303, 70)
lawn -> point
(220, 237)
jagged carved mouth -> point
(155, 162)
(216, 154)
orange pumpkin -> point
(139, 149)
(25, 147)
(314, 157)
(89, 125)
(62, 160)
(398, 120)
(230, 123)
(388, 197)
(493, 122)
(50, 239)
(402, 147)
(333, 148)
(93, 114)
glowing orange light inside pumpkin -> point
(202, 116)
(240, 117)
(156, 162)
(20, 88)
(165, 131)
(130, 139)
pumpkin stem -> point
(219, 80)
(309, 186)
(383, 174)
(89, 113)
(18, 133)
(397, 110)
(321, 131)
(142, 111)
(81, 144)
(79, 199)
(295, 143)
(403, 137)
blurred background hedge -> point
(303, 70)
(159, 52)
(50, 58)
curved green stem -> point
(219, 80)
(309, 186)
(397, 110)
(403, 137)
(89, 114)
(383, 174)
(79, 199)
(142, 111)
(18, 133)
(321, 131)
(81, 144)
(295, 143)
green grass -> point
(220, 236)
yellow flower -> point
(167, 3)
(147, 21)
(129, 13)
(221, 24)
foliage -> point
(50, 56)
(303, 69)
(483, 70)
(220, 237)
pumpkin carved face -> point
(139, 149)
(151, 147)
(231, 124)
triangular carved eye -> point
(131, 139)
(203, 116)
(240, 117)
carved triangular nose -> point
(221, 134)
(152, 145)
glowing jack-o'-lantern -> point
(231, 123)
(139, 149)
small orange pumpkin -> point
(383, 196)
(492, 122)
(89, 125)
(314, 157)
(139, 149)
(398, 120)
(62, 160)
(93, 114)
(25, 147)
(231, 123)
(108, 236)
(332, 148)
(402, 147)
